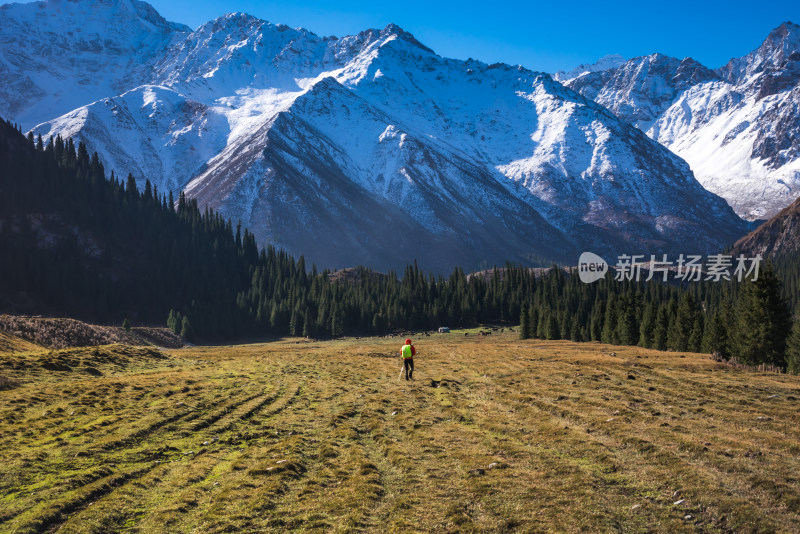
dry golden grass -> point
(493, 435)
(59, 333)
(10, 344)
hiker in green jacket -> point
(407, 352)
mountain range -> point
(371, 148)
(737, 126)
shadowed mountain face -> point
(373, 149)
(778, 237)
(737, 126)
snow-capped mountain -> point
(372, 149)
(737, 126)
(56, 56)
(606, 62)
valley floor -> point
(493, 435)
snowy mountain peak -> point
(395, 30)
(92, 10)
(240, 23)
(773, 54)
(57, 56)
(780, 43)
(643, 87)
(606, 62)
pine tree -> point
(610, 322)
(552, 329)
(575, 330)
(762, 322)
(130, 186)
(307, 332)
(596, 323)
(541, 327)
(627, 329)
(524, 324)
(647, 328)
(715, 336)
(696, 336)
(172, 321)
(187, 332)
(533, 321)
(681, 331)
(793, 348)
(661, 330)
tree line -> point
(748, 322)
(80, 243)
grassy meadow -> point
(493, 435)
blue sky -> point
(546, 36)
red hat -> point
(408, 342)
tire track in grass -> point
(189, 486)
(293, 507)
(648, 455)
(245, 494)
(272, 466)
(391, 482)
(49, 515)
(123, 444)
(277, 408)
(185, 474)
(240, 411)
(191, 414)
(128, 504)
(215, 416)
(579, 463)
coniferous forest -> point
(78, 242)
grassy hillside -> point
(59, 333)
(495, 435)
(10, 343)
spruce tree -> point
(172, 321)
(187, 332)
(541, 327)
(762, 321)
(575, 330)
(610, 322)
(524, 324)
(696, 336)
(715, 336)
(681, 331)
(533, 321)
(661, 330)
(648, 326)
(627, 329)
(552, 329)
(793, 348)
